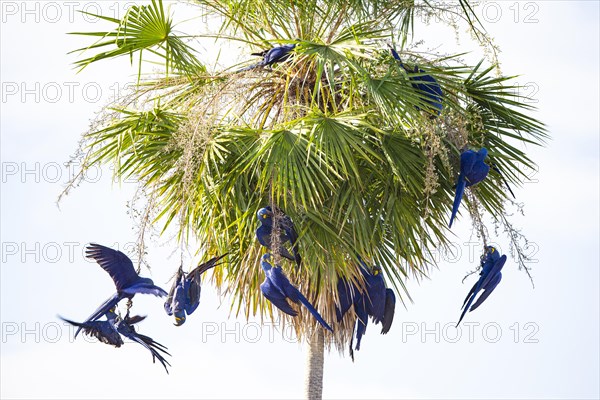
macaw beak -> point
(179, 321)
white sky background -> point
(548, 336)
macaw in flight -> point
(287, 232)
(424, 83)
(473, 170)
(490, 277)
(278, 290)
(127, 281)
(184, 296)
(111, 330)
(271, 56)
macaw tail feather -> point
(495, 168)
(460, 189)
(313, 311)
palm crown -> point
(335, 135)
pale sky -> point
(523, 342)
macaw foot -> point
(129, 304)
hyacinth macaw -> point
(271, 56)
(378, 302)
(114, 327)
(287, 233)
(424, 83)
(184, 296)
(126, 328)
(278, 290)
(127, 281)
(490, 276)
(473, 170)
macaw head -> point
(376, 270)
(482, 153)
(491, 253)
(265, 262)
(111, 314)
(264, 214)
(179, 318)
(146, 281)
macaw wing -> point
(292, 236)
(376, 294)
(104, 331)
(171, 295)
(487, 290)
(278, 54)
(135, 319)
(103, 309)
(282, 283)
(277, 298)
(467, 161)
(345, 297)
(493, 272)
(263, 234)
(431, 90)
(283, 252)
(118, 265)
(390, 307)
(478, 173)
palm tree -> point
(335, 135)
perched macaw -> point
(271, 56)
(278, 290)
(125, 328)
(473, 170)
(127, 281)
(377, 302)
(490, 276)
(424, 83)
(105, 331)
(287, 233)
(184, 296)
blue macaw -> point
(473, 170)
(125, 328)
(430, 87)
(287, 233)
(184, 296)
(377, 302)
(490, 276)
(271, 56)
(127, 281)
(278, 290)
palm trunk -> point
(314, 366)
